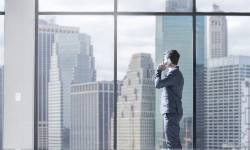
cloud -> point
(136, 34)
(238, 35)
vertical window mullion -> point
(194, 74)
(115, 77)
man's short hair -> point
(173, 55)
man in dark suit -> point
(171, 105)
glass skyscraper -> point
(46, 37)
(69, 48)
(200, 78)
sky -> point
(135, 33)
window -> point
(222, 5)
(226, 45)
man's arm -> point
(167, 81)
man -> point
(171, 105)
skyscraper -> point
(55, 103)
(217, 35)
(179, 5)
(175, 32)
(1, 106)
(46, 37)
(136, 106)
(223, 102)
(201, 52)
(245, 112)
(91, 112)
(69, 49)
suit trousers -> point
(172, 130)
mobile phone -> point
(167, 62)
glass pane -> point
(223, 5)
(223, 77)
(75, 81)
(2, 5)
(140, 49)
(155, 5)
(76, 5)
(1, 77)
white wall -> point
(19, 56)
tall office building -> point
(175, 32)
(1, 105)
(91, 111)
(201, 52)
(46, 37)
(217, 35)
(136, 106)
(223, 102)
(55, 104)
(245, 112)
(70, 49)
(179, 5)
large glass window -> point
(92, 68)
(222, 81)
(75, 60)
(141, 46)
(155, 5)
(226, 5)
(76, 5)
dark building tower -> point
(200, 79)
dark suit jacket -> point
(172, 87)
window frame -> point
(194, 13)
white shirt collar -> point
(170, 69)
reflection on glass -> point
(155, 5)
(1, 77)
(227, 6)
(141, 45)
(75, 82)
(222, 79)
(76, 5)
